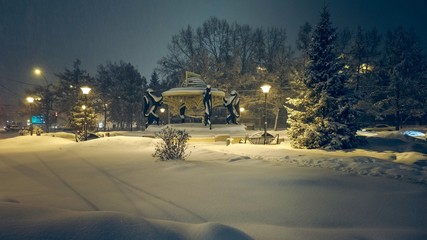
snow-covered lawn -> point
(112, 188)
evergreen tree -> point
(323, 116)
(154, 81)
(304, 38)
(77, 115)
(122, 87)
(402, 78)
(69, 90)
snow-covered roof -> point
(187, 91)
(194, 82)
(192, 86)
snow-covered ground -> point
(112, 188)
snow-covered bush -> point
(173, 145)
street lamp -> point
(105, 116)
(38, 72)
(47, 98)
(30, 100)
(265, 89)
(85, 91)
(162, 111)
(242, 110)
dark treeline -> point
(386, 74)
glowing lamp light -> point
(242, 109)
(265, 88)
(261, 69)
(365, 68)
(162, 110)
(85, 90)
(30, 99)
(84, 107)
(37, 71)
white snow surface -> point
(112, 188)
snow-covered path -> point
(265, 199)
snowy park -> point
(213, 120)
(112, 188)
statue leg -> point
(150, 119)
(207, 120)
(234, 120)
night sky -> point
(51, 34)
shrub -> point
(173, 145)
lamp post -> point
(242, 110)
(47, 98)
(105, 117)
(169, 114)
(30, 100)
(265, 89)
(85, 91)
(162, 110)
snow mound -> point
(21, 221)
(198, 129)
(37, 143)
(388, 155)
(364, 166)
(121, 142)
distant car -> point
(12, 128)
(379, 128)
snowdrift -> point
(112, 188)
(20, 221)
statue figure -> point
(182, 109)
(207, 103)
(232, 105)
(151, 103)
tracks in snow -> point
(152, 199)
(139, 200)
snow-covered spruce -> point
(323, 116)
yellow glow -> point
(242, 109)
(30, 99)
(261, 69)
(84, 107)
(85, 90)
(265, 88)
(364, 68)
(162, 110)
(37, 71)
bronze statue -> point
(207, 103)
(232, 105)
(151, 103)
